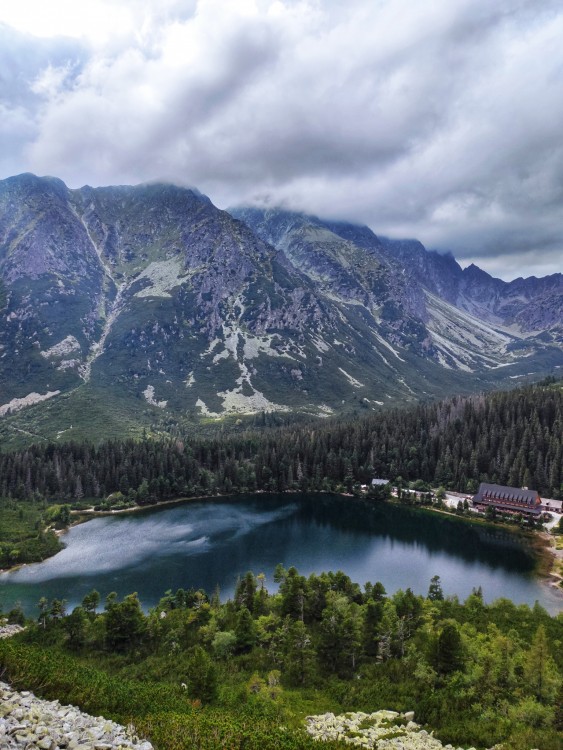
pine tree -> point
(201, 676)
(435, 592)
(448, 654)
(125, 622)
(299, 655)
(245, 630)
(91, 602)
(539, 669)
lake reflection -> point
(205, 544)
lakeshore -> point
(547, 558)
(205, 543)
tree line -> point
(513, 438)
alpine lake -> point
(210, 543)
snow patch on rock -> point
(254, 346)
(351, 380)
(202, 406)
(69, 364)
(388, 346)
(320, 344)
(235, 401)
(210, 348)
(225, 354)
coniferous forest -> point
(513, 438)
(197, 672)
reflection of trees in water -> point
(498, 549)
(301, 527)
(363, 519)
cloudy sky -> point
(440, 120)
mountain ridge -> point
(151, 303)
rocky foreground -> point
(6, 631)
(29, 723)
(381, 730)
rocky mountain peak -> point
(150, 303)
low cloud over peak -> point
(441, 122)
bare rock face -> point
(422, 301)
(107, 294)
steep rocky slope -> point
(130, 306)
(461, 319)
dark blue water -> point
(205, 544)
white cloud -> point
(95, 20)
(51, 81)
(439, 121)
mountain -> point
(124, 307)
(461, 319)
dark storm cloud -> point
(436, 120)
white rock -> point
(28, 722)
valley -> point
(268, 365)
(281, 375)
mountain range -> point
(147, 306)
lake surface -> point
(210, 543)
